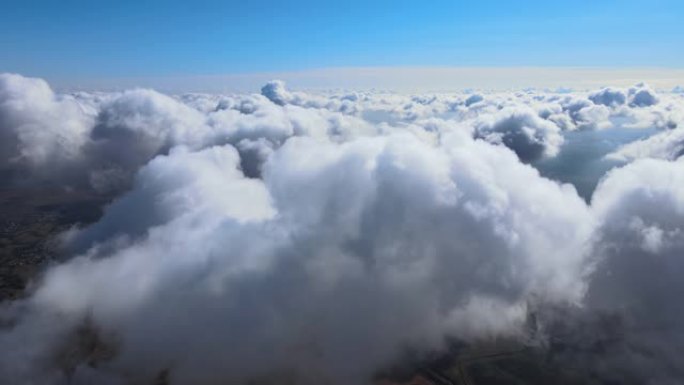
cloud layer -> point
(320, 237)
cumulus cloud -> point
(275, 91)
(523, 131)
(640, 242)
(642, 95)
(609, 97)
(472, 99)
(38, 127)
(414, 241)
(319, 237)
(101, 139)
(134, 127)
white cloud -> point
(642, 95)
(275, 91)
(664, 145)
(472, 99)
(416, 242)
(39, 127)
(640, 243)
(318, 236)
(523, 131)
(610, 97)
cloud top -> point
(321, 237)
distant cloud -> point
(609, 97)
(275, 92)
(642, 96)
(523, 131)
(665, 145)
(472, 99)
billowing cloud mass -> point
(38, 127)
(101, 139)
(639, 248)
(319, 238)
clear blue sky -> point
(72, 38)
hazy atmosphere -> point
(375, 193)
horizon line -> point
(391, 78)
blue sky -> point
(76, 38)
